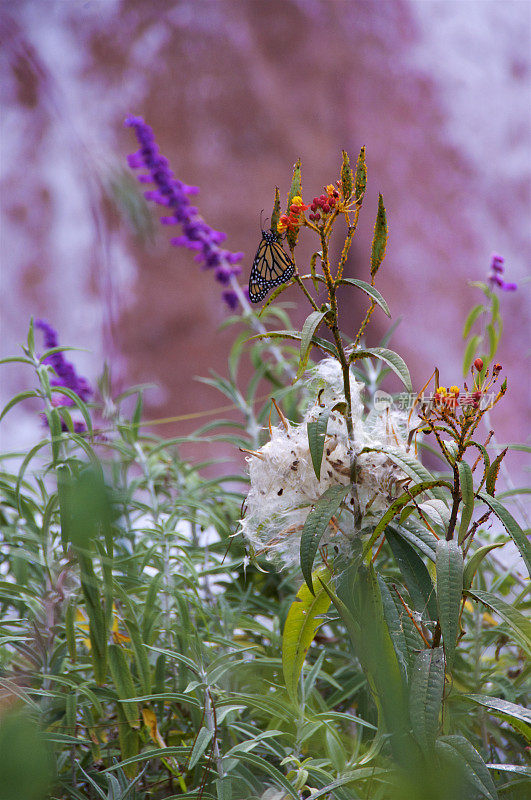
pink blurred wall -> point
(236, 90)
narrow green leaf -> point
(417, 535)
(473, 563)
(275, 214)
(519, 625)
(346, 176)
(70, 616)
(470, 353)
(81, 406)
(295, 191)
(359, 592)
(449, 570)
(397, 506)
(328, 347)
(261, 764)
(472, 317)
(373, 293)
(425, 695)
(511, 526)
(389, 357)
(311, 323)
(129, 741)
(412, 637)
(95, 613)
(379, 242)
(315, 526)
(360, 180)
(466, 482)
(16, 360)
(140, 654)
(394, 625)
(123, 682)
(301, 625)
(493, 340)
(415, 575)
(18, 398)
(316, 439)
(466, 758)
(31, 337)
(517, 716)
(492, 473)
(204, 737)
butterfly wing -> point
(271, 267)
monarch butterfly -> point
(271, 267)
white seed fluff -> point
(284, 486)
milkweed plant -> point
(334, 624)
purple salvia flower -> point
(497, 269)
(172, 193)
(231, 299)
(65, 371)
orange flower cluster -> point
(293, 220)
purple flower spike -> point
(497, 269)
(172, 193)
(65, 371)
(231, 299)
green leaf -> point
(517, 716)
(415, 575)
(466, 482)
(81, 406)
(275, 214)
(519, 625)
(260, 763)
(511, 526)
(373, 293)
(315, 526)
(295, 191)
(470, 353)
(70, 616)
(379, 242)
(474, 562)
(492, 473)
(346, 176)
(449, 570)
(390, 358)
(311, 323)
(202, 740)
(472, 317)
(397, 506)
(359, 593)
(395, 627)
(417, 535)
(123, 682)
(18, 398)
(316, 439)
(352, 776)
(467, 759)
(327, 347)
(425, 695)
(95, 613)
(140, 653)
(302, 622)
(360, 181)
(493, 340)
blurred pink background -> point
(236, 90)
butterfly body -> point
(271, 267)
